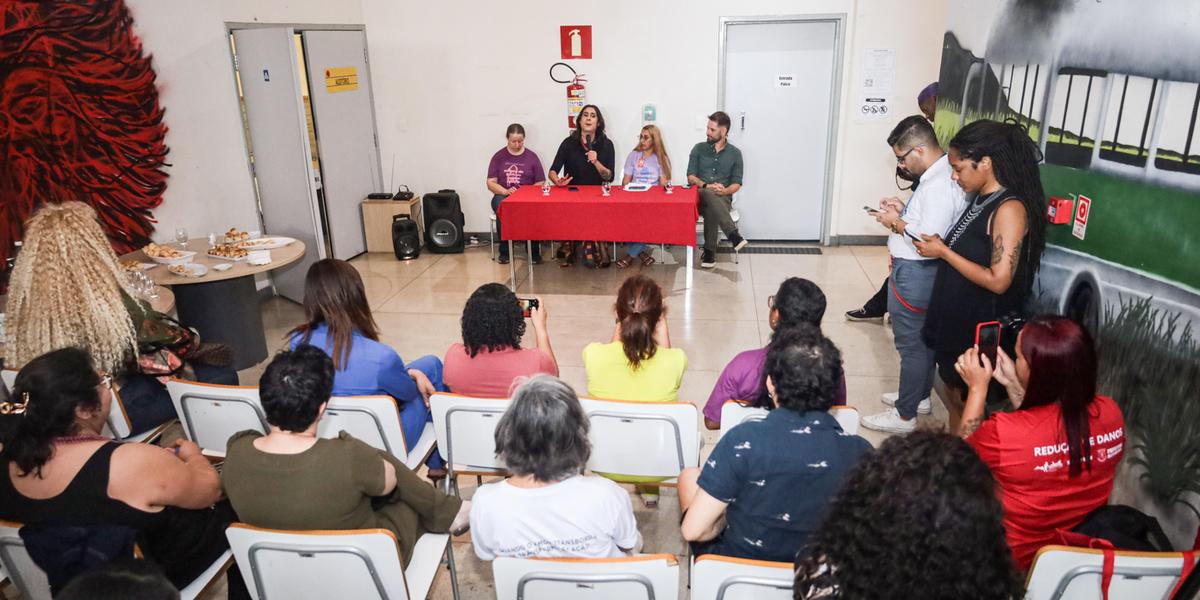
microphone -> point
(587, 142)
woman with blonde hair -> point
(68, 290)
(648, 163)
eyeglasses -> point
(900, 159)
(771, 301)
(645, 137)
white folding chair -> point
(726, 578)
(1066, 573)
(648, 576)
(202, 584)
(117, 426)
(734, 413)
(354, 563)
(465, 429)
(645, 439)
(28, 577)
(212, 413)
(375, 420)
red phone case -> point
(980, 326)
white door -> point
(340, 90)
(779, 79)
(266, 60)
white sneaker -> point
(889, 421)
(924, 408)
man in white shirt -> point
(932, 209)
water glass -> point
(604, 188)
(181, 236)
(546, 189)
(669, 188)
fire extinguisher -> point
(576, 92)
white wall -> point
(447, 83)
(209, 189)
(449, 79)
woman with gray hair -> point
(547, 507)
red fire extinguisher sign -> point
(575, 41)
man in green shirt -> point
(715, 166)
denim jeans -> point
(496, 200)
(414, 414)
(636, 248)
(911, 280)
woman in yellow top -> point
(639, 363)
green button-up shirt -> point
(724, 167)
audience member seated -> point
(121, 580)
(548, 508)
(69, 290)
(648, 163)
(511, 167)
(85, 499)
(490, 356)
(639, 364)
(918, 518)
(767, 484)
(797, 302)
(338, 320)
(1055, 455)
(290, 479)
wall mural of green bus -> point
(1110, 91)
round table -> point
(223, 305)
(164, 300)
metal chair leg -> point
(453, 569)
(492, 239)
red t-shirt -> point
(1027, 453)
(491, 374)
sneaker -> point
(738, 241)
(889, 421)
(502, 259)
(708, 259)
(650, 500)
(924, 408)
(860, 314)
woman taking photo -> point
(290, 479)
(511, 167)
(649, 164)
(991, 254)
(490, 356)
(585, 157)
(1055, 455)
(338, 320)
(59, 470)
(69, 290)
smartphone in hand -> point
(870, 210)
(987, 339)
(527, 306)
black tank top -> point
(956, 305)
(183, 542)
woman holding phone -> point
(490, 357)
(585, 157)
(649, 164)
(991, 254)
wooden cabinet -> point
(377, 221)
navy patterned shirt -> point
(778, 476)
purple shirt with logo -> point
(515, 171)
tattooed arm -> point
(1008, 231)
(976, 371)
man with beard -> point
(715, 166)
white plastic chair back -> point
(646, 439)
(374, 420)
(361, 564)
(211, 414)
(465, 429)
(118, 419)
(203, 583)
(28, 577)
(644, 577)
(725, 578)
(1065, 573)
(734, 414)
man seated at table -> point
(715, 166)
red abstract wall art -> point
(79, 118)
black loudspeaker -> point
(443, 222)
(406, 239)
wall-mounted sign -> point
(785, 80)
(1082, 209)
(341, 79)
(575, 41)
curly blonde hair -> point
(65, 290)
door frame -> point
(230, 27)
(835, 98)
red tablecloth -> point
(653, 216)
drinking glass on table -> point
(181, 236)
(604, 188)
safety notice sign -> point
(341, 79)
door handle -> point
(743, 120)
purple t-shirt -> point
(515, 171)
(741, 380)
(648, 171)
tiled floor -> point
(713, 314)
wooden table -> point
(165, 300)
(223, 305)
(377, 221)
